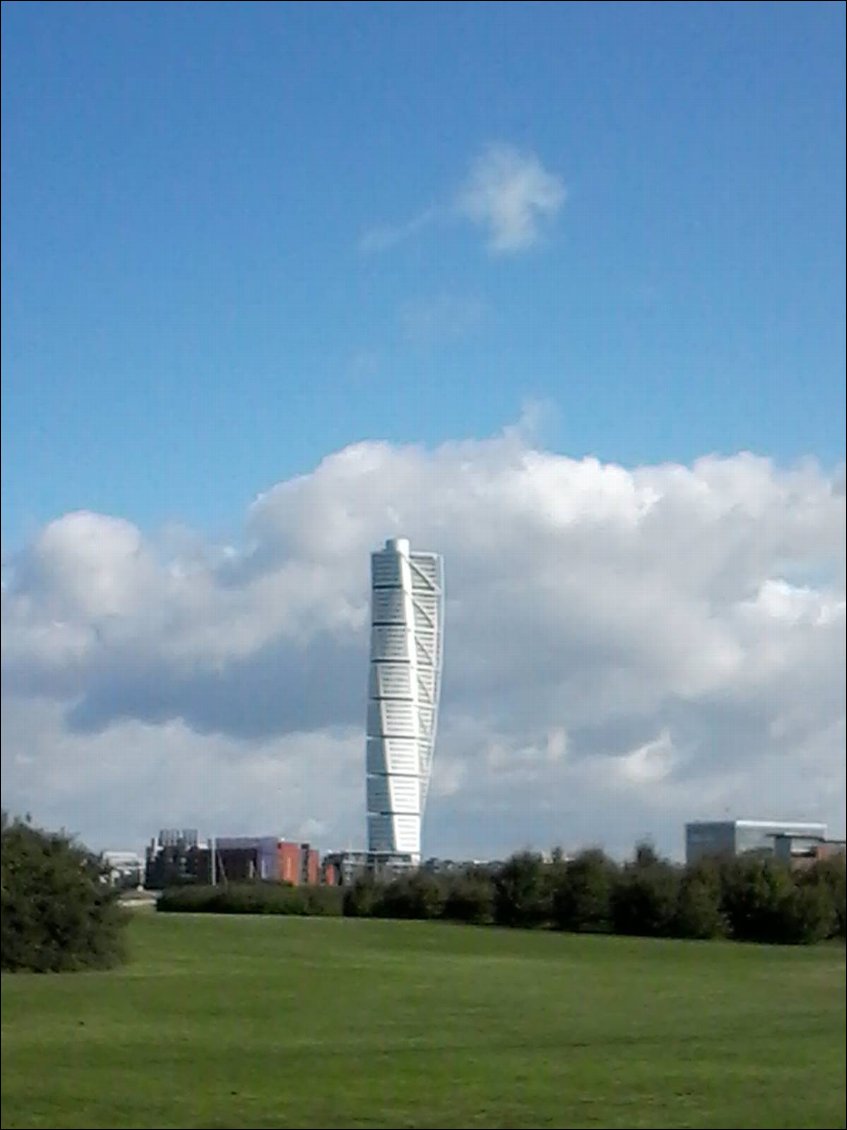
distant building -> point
(241, 858)
(800, 852)
(435, 866)
(407, 642)
(342, 868)
(310, 865)
(289, 865)
(268, 858)
(125, 868)
(179, 858)
(743, 837)
(174, 858)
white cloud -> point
(510, 194)
(626, 649)
(649, 763)
(507, 192)
(385, 236)
(138, 777)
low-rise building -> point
(175, 857)
(705, 838)
(268, 858)
(341, 868)
(180, 857)
(125, 869)
(800, 852)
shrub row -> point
(748, 898)
(252, 898)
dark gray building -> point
(739, 837)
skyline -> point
(555, 290)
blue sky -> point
(196, 302)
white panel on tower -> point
(404, 686)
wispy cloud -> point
(510, 194)
(507, 192)
(365, 364)
(441, 318)
(384, 236)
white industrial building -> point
(705, 838)
(124, 868)
(407, 637)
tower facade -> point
(407, 634)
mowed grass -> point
(270, 1022)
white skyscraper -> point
(407, 631)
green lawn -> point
(271, 1022)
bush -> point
(417, 895)
(522, 893)
(831, 876)
(361, 898)
(463, 897)
(252, 898)
(582, 893)
(470, 898)
(757, 895)
(58, 913)
(698, 909)
(645, 896)
(806, 915)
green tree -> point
(58, 912)
(806, 915)
(417, 895)
(756, 895)
(521, 891)
(470, 898)
(831, 875)
(582, 893)
(645, 895)
(698, 910)
(361, 898)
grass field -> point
(270, 1022)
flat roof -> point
(787, 824)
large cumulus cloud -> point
(626, 649)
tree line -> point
(747, 898)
